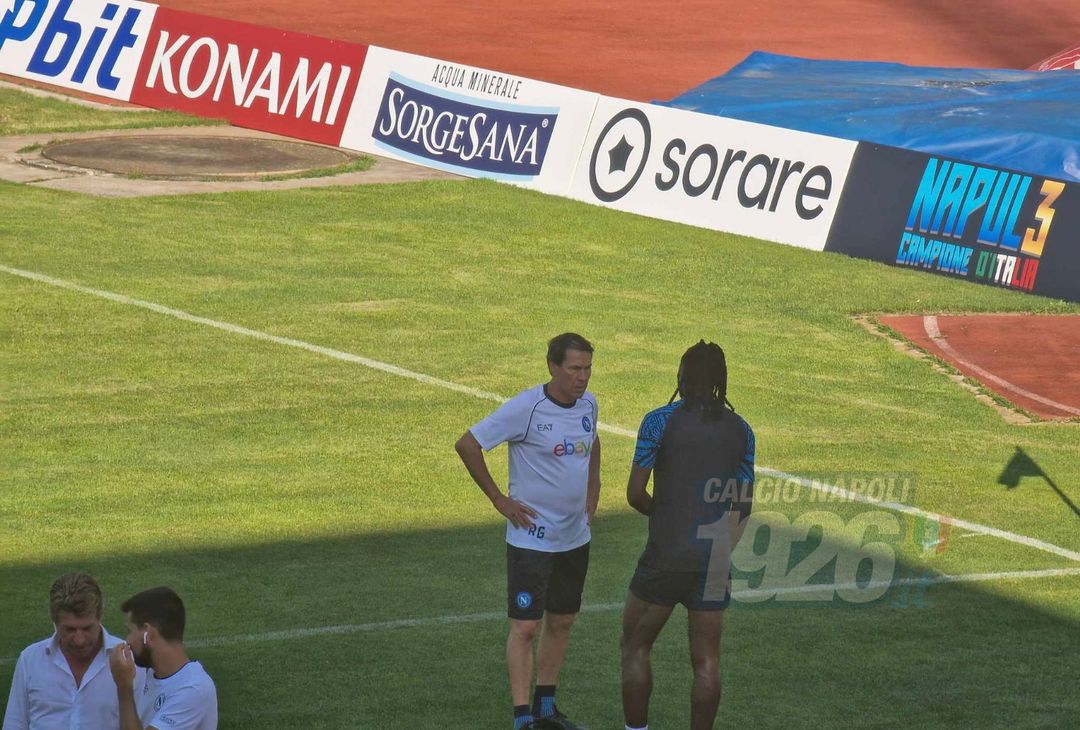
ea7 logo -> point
(93, 46)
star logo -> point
(619, 155)
(627, 158)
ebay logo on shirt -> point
(569, 448)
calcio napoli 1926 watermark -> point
(834, 538)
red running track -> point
(1032, 361)
(647, 50)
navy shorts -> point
(537, 581)
(667, 588)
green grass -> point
(22, 113)
(30, 148)
(279, 489)
(359, 164)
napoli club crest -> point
(524, 599)
(586, 424)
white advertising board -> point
(468, 120)
(725, 174)
(90, 45)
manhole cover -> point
(193, 157)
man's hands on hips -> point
(520, 514)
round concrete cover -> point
(193, 157)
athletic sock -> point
(544, 700)
(643, 727)
(522, 716)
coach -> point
(554, 465)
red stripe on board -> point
(292, 84)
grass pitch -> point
(279, 490)
(21, 113)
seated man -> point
(63, 681)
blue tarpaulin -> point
(1021, 120)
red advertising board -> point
(291, 84)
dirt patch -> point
(194, 157)
(184, 160)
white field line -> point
(256, 334)
(468, 618)
(429, 380)
(607, 607)
(909, 510)
(930, 325)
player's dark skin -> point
(643, 621)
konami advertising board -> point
(293, 84)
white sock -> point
(643, 727)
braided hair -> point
(703, 379)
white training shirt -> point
(549, 449)
(44, 696)
(186, 700)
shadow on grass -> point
(1020, 466)
(961, 655)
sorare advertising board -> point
(725, 174)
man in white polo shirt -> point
(63, 682)
(554, 464)
(175, 693)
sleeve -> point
(649, 436)
(746, 468)
(182, 710)
(17, 715)
(509, 422)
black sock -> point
(522, 716)
(544, 700)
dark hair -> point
(558, 346)
(75, 593)
(703, 378)
(161, 608)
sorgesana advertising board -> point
(468, 120)
(982, 224)
(293, 84)
(725, 174)
(90, 45)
